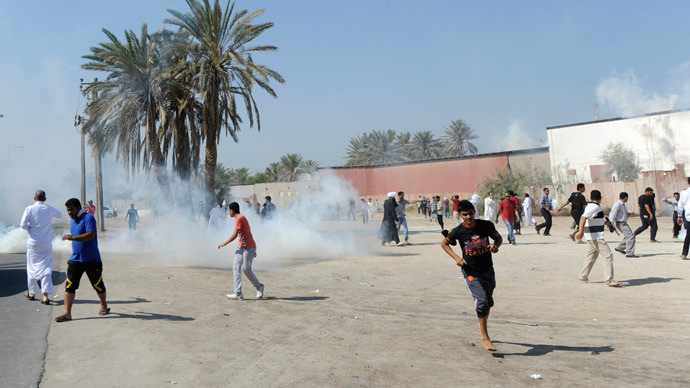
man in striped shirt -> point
(592, 225)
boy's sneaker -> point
(235, 296)
(260, 292)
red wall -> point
(438, 177)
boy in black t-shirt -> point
(476, 263)
(578, 203)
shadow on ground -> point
(13, 279)
(295, 298)
(140, 315)
(649, 280)
(543, 349)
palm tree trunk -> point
(183, 161)
(157, 158)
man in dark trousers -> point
(578, 203)
(545, 203)
(388, 231)
(647, 214)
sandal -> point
(46, 302)
(29, 296)
(105, 311)
(62, 318)
(614, 284)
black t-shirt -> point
(577, 202)
(645, 200)
(474, 243)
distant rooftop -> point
(618, 118)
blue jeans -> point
(447, 212)
(403, 222)
(509, 225)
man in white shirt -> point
(673, 201)
(684, 218)
(37, 220)
(619, 215)
(592, 224)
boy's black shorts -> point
(94, 270)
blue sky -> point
(509, 69)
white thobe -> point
(527, 208)
(475, 202)
(490, 209)
(37, 220)
(214, 217)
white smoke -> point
(516, 138)
(623, 96)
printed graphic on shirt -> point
(476, 246)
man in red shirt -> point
(507, 208)
(244, 255)
(456, 214)
(91, 209)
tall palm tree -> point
(310, 166)
(424, 146)
(456, 140)
(403, 145)
(273, 172)
(226, 70)
(290, 167)
(356, 151)
(380, 147)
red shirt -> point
(244, 232)
(507, 208)
(456, 201)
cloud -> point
(623, 95)
(517, 138)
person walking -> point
(438, 213)
(508, 211)
(85, 258)
(684, 218)
(133, 216)
(527, 209)
(37, 221)
(578, 202)
(402, 203)
(244, 255)
(388, 231)
(545, 203)
(490, 207)
(446, 207)
(591, 226)
(673, 201)
(363, 210)
(648, 214)
(619, 214)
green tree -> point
(424, 146)
(403, 146)
(519, 181)
(222, 49)
(456, 140)
(310, 166)
(273, 172)
(623, 161)
(290, 167)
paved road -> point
(23, 324)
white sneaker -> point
(235, 296)
(260, 292)
(401, 243)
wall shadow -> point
(543, 349)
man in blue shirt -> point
(85, 258)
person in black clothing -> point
(647, 214)
(476, 263)
(388, 232)
(578, 203)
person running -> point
(476, 262)
(545, 203)
(438, 213)
(592, 225)
(244, 255)
(684, 218)
(619, 214)
(400, 213)
(508, 212)
(133, 216)
(648, 214)
(578, 202)
(673, 201)
(388, 232)
(85, 258)
(37, 221)
(490, 207)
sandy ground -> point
(402, 317)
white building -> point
(661, 141)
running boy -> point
(476, 263)
(244, 255)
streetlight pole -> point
(97, 160)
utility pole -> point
(98, 170)
(79, 120)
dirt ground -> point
(401, 317)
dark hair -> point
(648, 189)
(268, 197)
(40, 195)
(545, 188)
(512, 193)
(580, 186)
(73, 202)
(676, 193)
(465, 206)
(623, 195)
(689, 180)
(234, 206)
(595, 195)
(401, 193)
(526, 195)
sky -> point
(509, 69)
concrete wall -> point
(282, 193)
(661, 141)
(521, 161)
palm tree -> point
(310, 166)
(223, 51)
(424, 146)
(356, 151)
(456, 140)
(290, 167)
(273, 172)
(128, 100)
(380, 148)
(402, 144)
(240, 176)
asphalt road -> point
(23, 324)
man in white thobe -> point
(37, 220)
(490, 208)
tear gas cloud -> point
(623, 96)
(516, 137)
